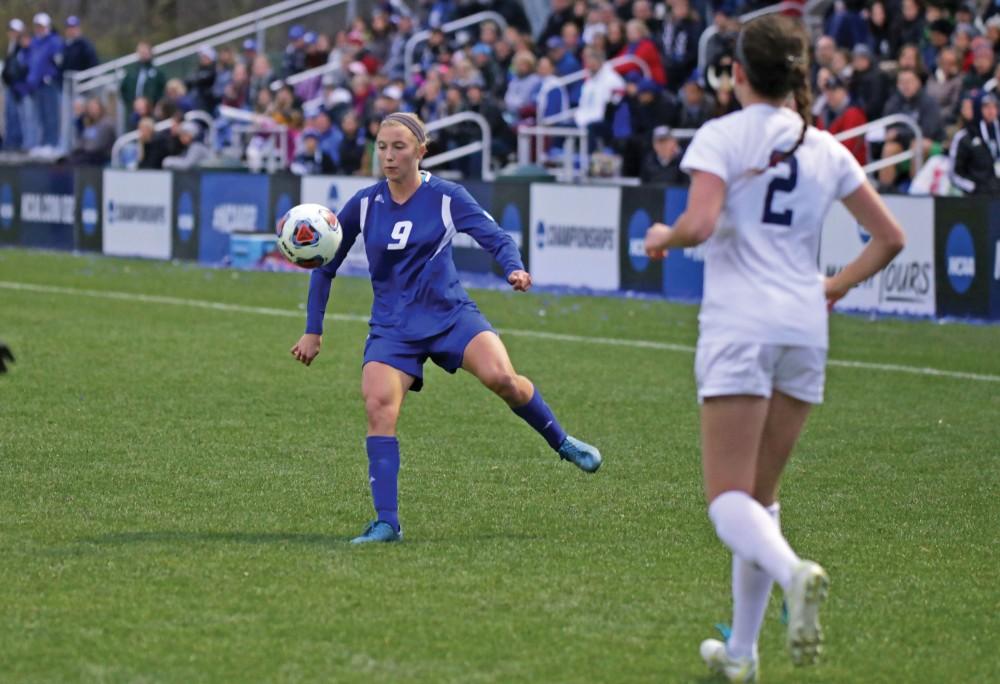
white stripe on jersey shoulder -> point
(449, 224)
(364, 213)
(424, 176)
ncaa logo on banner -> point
(6, 206)
(333, 198)
(637, 227)
(540, 235)
(185, 216)
(88, 211)
(960, 255)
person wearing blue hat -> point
(294, 59)
(79, 53)
(563, 60)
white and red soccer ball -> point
(309, 235)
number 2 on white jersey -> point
(779, 184)
(400, 233)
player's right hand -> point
(307, 348)
(656, 240)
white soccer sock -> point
(751, 592)
(750, 533)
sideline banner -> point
(963, 259)
(185, 233)
(683, 269)
(574, 236)
(89, 213)
(640, 209)
(47, 204)
(511, 207)
(230, 203)
(907, 285)
(10, 207)
(137, 213)
(333, 192)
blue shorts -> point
(446, 349)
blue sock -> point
(539, 416)
(383, 474)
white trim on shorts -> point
(748, 368)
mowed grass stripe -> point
(536, 334)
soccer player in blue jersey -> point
(420, 310)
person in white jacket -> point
(602, 86)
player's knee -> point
(382, 412)
(504, 384)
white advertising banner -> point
(333, 192)
(137, 213)
(905, 286)
(574, 236)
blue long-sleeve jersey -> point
(416, 287)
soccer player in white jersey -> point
(420, 309)
(762, 181)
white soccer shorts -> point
(728, 368)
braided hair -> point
(774, 52)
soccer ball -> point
(309, 235)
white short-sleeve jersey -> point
(762, 280)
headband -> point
(415, 128)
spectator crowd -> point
(641, 83)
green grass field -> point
(176, 495)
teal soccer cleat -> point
(378, 531)
(582, 455)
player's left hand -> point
(521, 280)
(656, 240)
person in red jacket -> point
(841, 114)
(642, 46)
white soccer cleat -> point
(809, 588)
(715, 655)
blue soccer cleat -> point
(584, 456)
(378, 531)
